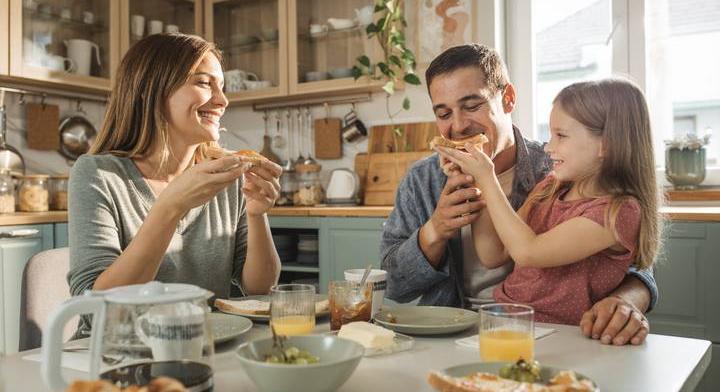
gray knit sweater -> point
(108, 202)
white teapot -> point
(138, 332)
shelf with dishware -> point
(63, 44)
(140, 18)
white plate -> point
(266, 298)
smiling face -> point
(194, 110)
(576, 152)
(464, 106)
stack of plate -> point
(307, 247)
(287, 246)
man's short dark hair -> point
(470, 55)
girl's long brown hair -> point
(149, 73)
(615, 110)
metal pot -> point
(76, 136)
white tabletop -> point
(662, 363)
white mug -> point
(173, 331)
(155, 27)
(80, 51)
(60, 63)
(137, 25)
(88, 17)
(378, 278)
(171, 28)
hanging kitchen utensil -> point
(266, 150)
(354, 130)
(278, 140)
(76, 134)
(307, 130)
(10, 157)
(294, 132)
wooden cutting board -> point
(42, 126)
(385, 171)
(328, 141)
(418, 137)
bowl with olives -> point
(317, 362)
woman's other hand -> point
(201, 183)
(261, 187)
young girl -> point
(593, 216)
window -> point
(668, 47)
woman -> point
(146, 205)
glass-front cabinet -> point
(73, 42)
(4, 43)
(141, 18)
(252, 35)
(326, 38)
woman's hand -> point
(261, 187)
(474, 162)
(201, 183)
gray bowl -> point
(338, 360)
(339, 73)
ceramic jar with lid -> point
(59, 192)
(309, 188)
(7, 192)
(33, 193)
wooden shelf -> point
(702, 193)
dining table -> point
(661, 363)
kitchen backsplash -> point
(245, 127)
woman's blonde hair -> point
(151, 71)
(615, 110)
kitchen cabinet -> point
(70, 42)
(60, 235)
(139, 18)
(254, 40)
(14, 254)
(325, 39)
(344, 243)
(4, 43)
(689, 294)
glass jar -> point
(58, 192)
(685, 167)
(33, 194)
(309, 188)
(7, 193)
(288, 186)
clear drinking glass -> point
(292, 309)
(506, 332)
(349, 302)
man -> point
(427, 242)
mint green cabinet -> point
(687, 275)
(17, 245)
(344, 243)
(347, 243)
(61, 235)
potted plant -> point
(397, 64)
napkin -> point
(70, 360)
(472, 341)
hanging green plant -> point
(398, 61)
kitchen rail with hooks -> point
(308, 102)
(45, 94)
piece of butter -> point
(369, 335)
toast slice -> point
(248, 306)
(246, 155)
(565, 381)
(478, 140)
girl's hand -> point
(201, 183)
(474, 162)
(261, 187)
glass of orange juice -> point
(506, 332)
(292, 309)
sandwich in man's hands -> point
(246, 155)
(477, 140)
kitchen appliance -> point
(80, 51)
(343, 187)
(76, 135)
(139, 332)
(10, 157)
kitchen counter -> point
(692, 213)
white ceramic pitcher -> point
(80, 51)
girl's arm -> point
(489, 247)
(566, 243)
